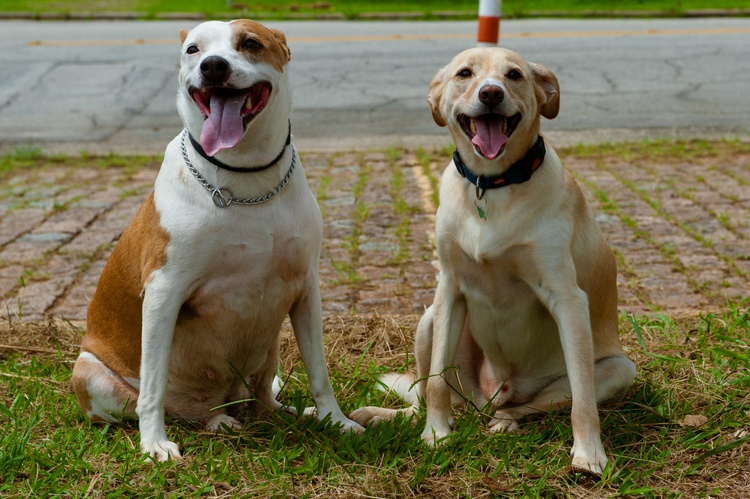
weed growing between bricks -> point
(676, 214)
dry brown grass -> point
(682, 372)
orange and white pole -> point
(488, 33)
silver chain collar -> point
(222, 196)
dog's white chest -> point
(245, 278)
(241, 261)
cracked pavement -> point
(679, 227)
(110, 86)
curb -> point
(365, 16)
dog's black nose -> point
(491, 95)
(215, 69)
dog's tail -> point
(402, 385)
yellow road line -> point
(560, 34)
(443, 36)
(98, 43)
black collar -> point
(518, 172)
(225, 166)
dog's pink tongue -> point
(490, 137)
(223, 128)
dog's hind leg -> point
(373, 416)
(103, 395)
(221, 422)
(265, 379)
(403, 385)
(613, 377)
(400, 384)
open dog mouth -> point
(227, 112)
(489, 132)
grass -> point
(22, 157)
(656, 151)
(400, 207)
(355, 9)
(697, 366)
(348, 269)
(425, 161)
(681, 430)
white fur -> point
(232, 275)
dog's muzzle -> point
(227, 110)
(489, 132)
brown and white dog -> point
(187, 313)
(524, 318)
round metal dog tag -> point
(222, 197)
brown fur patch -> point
(273, 48)
(114, 318)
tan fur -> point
(526, 305)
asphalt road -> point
(110, 86)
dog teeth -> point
(473, 127)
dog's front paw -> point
(161, 450)
(591, 460)
(503, 422)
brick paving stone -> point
(679, 231)
(89, 241)
(37, 297)
(29, 249)
(75, 303)
(17, 222)
(711, 251)
(10, 277)
(70, 221)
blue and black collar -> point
(518, 173)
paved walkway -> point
(680, 228)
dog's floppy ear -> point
(547, 85)
(282, 40)
(183, 35)
(435, 95)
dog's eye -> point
(252, 44)
(514, 74)
(464, 73)
(192, 49)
